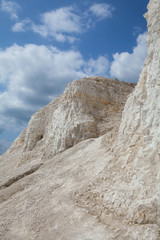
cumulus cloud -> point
(60, 24)
(102, 10)
(34, 75)
(22, 26)
(11, 8)
(62, 20)
(127, 66)
(97, 66)
(64, 24)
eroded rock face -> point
(40, 178)
(143, 134)
(144, 131)
(130, 183)
(82, 177)
(144, 104)
(88, 108)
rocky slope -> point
(88, 108)
(74, 173)
(38, 165)
(130, 183)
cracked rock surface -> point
(84, 170)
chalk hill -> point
(84, 170)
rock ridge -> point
(105, 184)
(88, 108)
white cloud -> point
(97, 67)
(62, 20)
(34, 75)
(64, 24)
(60, 24)
(127, 66)
(11, 8)
(102, 10)
(22, 26)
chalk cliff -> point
(82, 169)
(88, 108)
(38, 161)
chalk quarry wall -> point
(88, 108)
(91, 175)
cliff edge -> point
(82, 169)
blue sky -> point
(45, 44)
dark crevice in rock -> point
(20, 176)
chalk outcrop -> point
(88, 108)
(130, 182)
(81, 170)
(40, 178)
